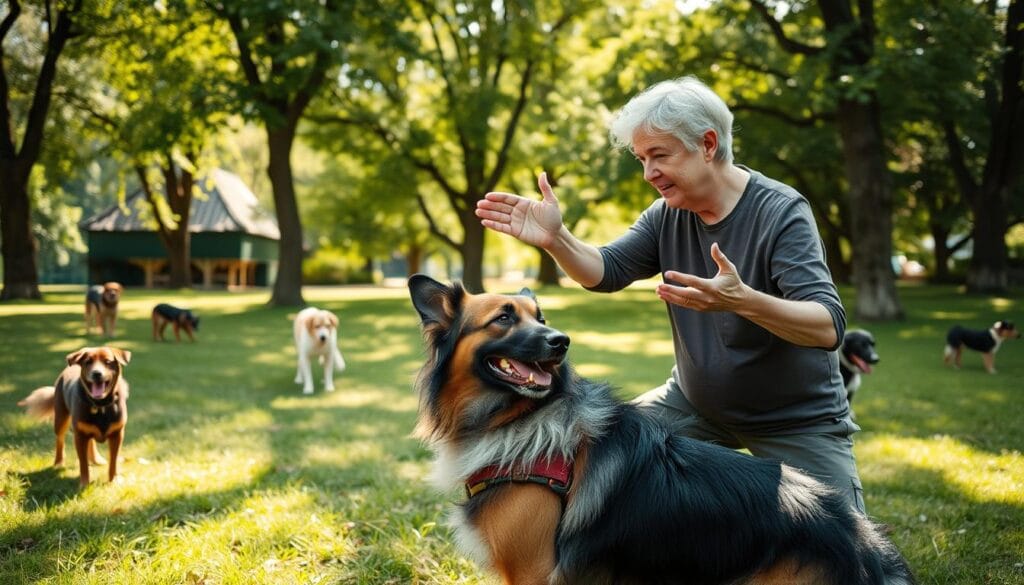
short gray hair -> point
(685, 108)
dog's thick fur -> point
(91, 398)
(180, 319)
(856, 356)
(986, 341)
(316, 336)
(642, 506)
(101, 302)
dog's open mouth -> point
(97, 389)
(861, 364)
(532, 376)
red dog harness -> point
(555, 473)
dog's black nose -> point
(96, 375)
(557, 340)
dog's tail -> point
(39, 404)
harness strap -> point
(554, 473)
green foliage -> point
(330, 265)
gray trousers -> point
(824, 452)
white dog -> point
(316, 334)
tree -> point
(21, 277)
(988, 191)
(285, 51)
(449, 97)
(848, 46)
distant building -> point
(233, 239)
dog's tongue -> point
(534, 375)
(97, 389)
(863, 365)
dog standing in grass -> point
(101, 307)
(986, 341)
(91, 398)
(316, 336)
(180, 319)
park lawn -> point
(230, 475)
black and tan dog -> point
(986, 341)
(567, 485)
(181, 319)
(857, 356)
(101, 302)
(90, 397)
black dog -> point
(179, 318)
(566, 485)
(987, 341)
(856, 356)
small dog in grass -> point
(986, 341)
(101, 307)
(856, 356)
(91, 398)
(181, 319)
(316, 336)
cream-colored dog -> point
(316, 335)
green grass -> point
(230, 475)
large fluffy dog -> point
(986, 341)
(91, 397)
(567, 485)
(316, 336)
(856, 356)
(101, 302)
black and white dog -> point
(987, 341)
(856, 356)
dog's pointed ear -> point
(435, 302)
(123, 356)
(77, 357)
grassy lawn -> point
(230, 475)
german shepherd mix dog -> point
(90, 397)
(180, 319)
(856, 356)
(567, 485)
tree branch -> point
(787, 44)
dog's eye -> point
(110, 363)
(503, 319)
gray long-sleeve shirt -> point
(733, 371)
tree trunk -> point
(871, 210)
(472, 251)
(986, 272)
(547, 275)
(942, 254)
(179, 257)
(21, 276)
(288, 286)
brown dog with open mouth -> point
(90, 397)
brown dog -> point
(90, 396)
(101, 306)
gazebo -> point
(233, 240)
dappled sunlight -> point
(369, 450)
(594, 370)
(979, 475)
(282, 535)
(626, 342)
(348, 397)
(383, 350)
